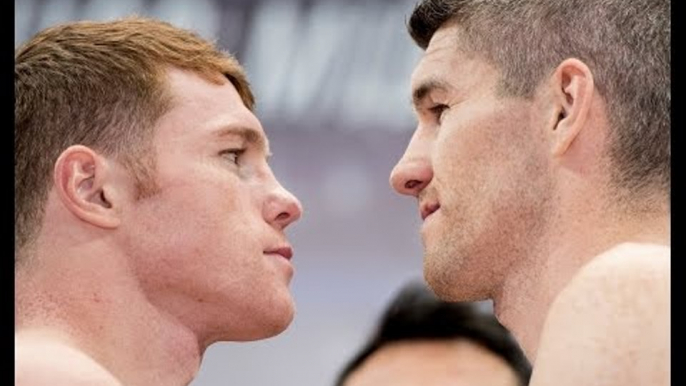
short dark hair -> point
(417, 314)
(626, 44)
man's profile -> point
(149, 224)
(541, 167)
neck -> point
(100, 311)
(523, 302)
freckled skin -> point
(140, 286)
(43, 360)
(197, 245)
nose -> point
(413, 172)
(282, 208)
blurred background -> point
(332, 84)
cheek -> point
(192, 219)
(484, 142)
(476, 164)
(461, 158)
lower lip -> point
(278, 255)
(283, 261)
(428, 218)
(432, 214)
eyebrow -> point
(248, 134)
(424, 88)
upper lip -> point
(285, 251)
(427, 208)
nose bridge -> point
(281, 207)
(413, 172)
(418, 147)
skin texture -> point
(205, 234)
(433, 363)
(635, 283)
(144, 286)
(525, 208)
(480, 161)
(41, 361)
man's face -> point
(433, 363)
(209, 248)
(479, 169)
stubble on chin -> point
(438, 266)
(454, 270)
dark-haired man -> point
(541, 166)
(421, 340)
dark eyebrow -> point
(424, 88)
(248, 134)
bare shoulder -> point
(47, 362)
(627, 271)
(610, 325)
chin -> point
(438, 284)
(279, 324)
(453, 283)
(273, 321)
(449, 290)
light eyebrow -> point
(249, 135)
(426, 87)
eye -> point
(232, 155)
(438, 110)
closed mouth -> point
(286, 252)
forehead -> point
(200, 108)
(432, 363)
(445, 62)
(441, 48)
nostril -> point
(412, 184)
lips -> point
(428, 209)
(285, 251)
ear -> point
(83, 181)
(573, 90)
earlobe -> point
(82, 181)
(573, 91)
